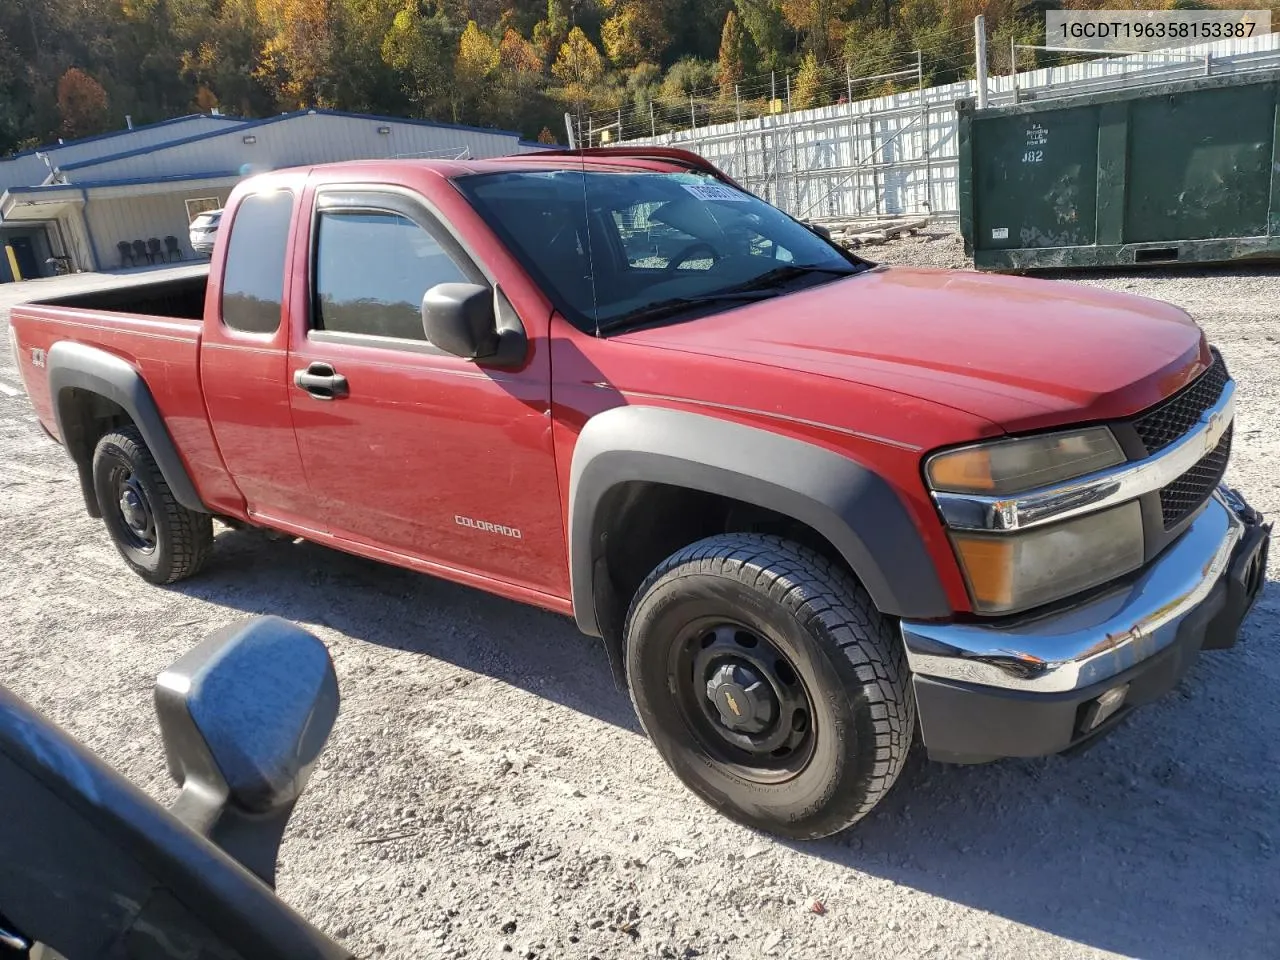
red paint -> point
(882, 367)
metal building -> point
(88, 200)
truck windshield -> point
(619, 249)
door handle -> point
(321, 381)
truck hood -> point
(1020, 353)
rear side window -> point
(253, 284)
(372, 269)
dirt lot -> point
(487, 793)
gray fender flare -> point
(75, 366)
(846, 502)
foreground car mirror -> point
(244, 717)
(474, 322)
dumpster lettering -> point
(1037, 136)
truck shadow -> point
(403, 610)
(1157, 841)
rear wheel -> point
(770, 684)
(158, 537)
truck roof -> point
(614, 158)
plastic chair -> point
(153, 250)
(172, 251)
(140, 252)
(126, 253)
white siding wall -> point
(310, 138)
(141, 217)
(30, 170)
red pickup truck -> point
(811, 505)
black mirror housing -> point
(244, 717)
(459, 318)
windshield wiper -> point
(791, 271)
(665, 309)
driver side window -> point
(372, 268)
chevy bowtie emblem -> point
(733, 704)
(1212, 435)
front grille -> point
(1180, 498)
(1180, 413)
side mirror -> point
(459, 318)
(820, 230)
(244, 717)
(474, 322)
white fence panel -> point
(898, 155)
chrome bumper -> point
(1084, 645)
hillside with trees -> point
(73, 68)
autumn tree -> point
(219, 45)
(578, 67)
(635, 31)
(364, 82)
(420, 48)
(474, 65)
(767, 28)
(809, 86)
(578, 61)
(82, 104)
(513, 63)
(642, 86)
(732, 66)
(300, 56)
(520, 66)
(549, 34)
(688, 76)
(821, 22)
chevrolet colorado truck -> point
(812, 506)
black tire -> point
(174, 542)
(841, 651)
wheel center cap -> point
(133, 511)
(742, 698)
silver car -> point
(204, 229)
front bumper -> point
(1033, 688)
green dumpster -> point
(1175, 173)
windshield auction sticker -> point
(714, 191)
(1139, 31)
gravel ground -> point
(487, 793)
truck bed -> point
(172, 298)
(154, 326)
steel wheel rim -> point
(742, 699)
(134, 511)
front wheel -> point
(158, 537)
(770, 684)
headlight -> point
(1016, 571)
(1014, 466)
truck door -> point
(244, 358)
(406, 448)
